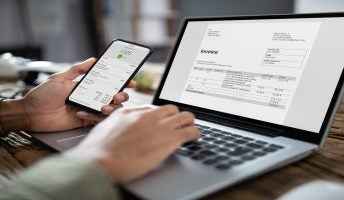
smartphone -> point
(109, 75)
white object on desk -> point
(8, 70)
(10, 65)
(316, 190)
(46, 66)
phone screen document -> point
(108, 75)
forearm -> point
(13, 116)
(61, 177)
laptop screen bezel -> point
(244, 122)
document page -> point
(250, 69)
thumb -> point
(79, 69)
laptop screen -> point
(281, 71)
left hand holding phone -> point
(45, 105)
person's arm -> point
(122, 148)
(43, 109)
(61, 177)
(12, 116)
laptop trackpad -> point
(70, 142)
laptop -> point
(264, 90)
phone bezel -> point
(67, 101)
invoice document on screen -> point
(250, 69)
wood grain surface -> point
(17, 152)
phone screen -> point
(109, 75)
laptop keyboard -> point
(224, 150)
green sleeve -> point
(60, 177)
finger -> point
(180, 136)
(164, 111)
(131, 84)
(137, 109)
(186, 134)
(120, 97)
(79, 69)
(89, 117)
(108, 109)
(179, 120)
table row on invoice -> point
(256, 88)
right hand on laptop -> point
(130, 142)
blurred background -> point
(67, 31)
(72, 30)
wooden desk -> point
(17, 152)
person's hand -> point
(45, 107)
(131, 142)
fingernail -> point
(82, 114)
(108, 109)
(121, 98)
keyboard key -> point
(230, 145)
(239, 151)
(261, 142)
(236, 135)
(208, 138)
(199, 126)
(222, 166)
(240, 141)
(258, 153)
(211, 134)
(194, 147)
(226, 133)
(215, 130)
(210, 161)
(209, 146)
(197, 157)
(221, 158)
(247, 157)
(235, 162)
(183, 152)
(269, 150)
(217, 135)
(276, 146)
(206, 132)
(219, 149)
(247, 138)
(228, 138)
(254, 145)
(207, 153)
(202, 126)
(219, 142)
(201, 132)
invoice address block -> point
(292, 58)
